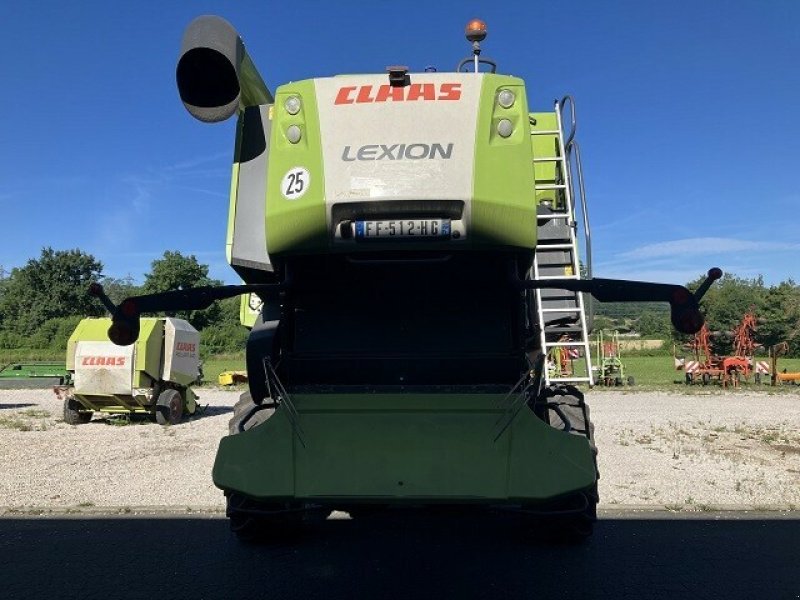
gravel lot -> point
(688, 452)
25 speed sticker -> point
(295, 183)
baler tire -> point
(242, 409)
(169, 407)
(73, 415)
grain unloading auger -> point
(389, 224)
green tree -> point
(50, 287)
(119, 289)
(652, 324)
(780, 317)
(178, 272)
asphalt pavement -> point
(638, 555)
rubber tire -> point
(169, 407)
(757, 378)
(252, 528)
(570, 401)
(259, 528)
(631, 380)
(243, 408)
(706, 378)
(74, 414)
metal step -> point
(549, 186)
(570, 379)
(549, 277)
(563, 309)
(563, 344)
(548, 159)
(562, 329)
(545, 132)
(554, 247)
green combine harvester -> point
(407, 242)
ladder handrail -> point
(587, 232)
(568, 99)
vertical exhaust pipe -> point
(216, 77)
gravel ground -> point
(656, 449)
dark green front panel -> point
(397, 450)
(258, 462)
(395, 447)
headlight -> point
(506, 98)
(293, 133)
(505, 128)
(292, 105)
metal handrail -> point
(587, 232)
(567, 99)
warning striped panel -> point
(692, 366)
(762, 366)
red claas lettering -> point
(368, 94)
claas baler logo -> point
(366, 94)
(185, 347)
(103, 361)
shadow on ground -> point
(391, 557)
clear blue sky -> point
(688, 119)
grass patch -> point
(659, 372)
(35, 413)
(214, 365)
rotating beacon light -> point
(475, 32)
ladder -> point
(561, 314)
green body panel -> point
(232, 201)
(403, 447)
(503, 208)
(247, 316)
(546, 146)
(148, 353)
(298, 225)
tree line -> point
(777, 308)
(42, 302)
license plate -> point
(403, 228)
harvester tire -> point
(243, 409)
(284, 524)
(631, 380)
(74, 413)
(578, 526)
(169, 407)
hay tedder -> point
(726, 370)
(408, 240)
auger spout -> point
(215, 75)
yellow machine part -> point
(232, 377)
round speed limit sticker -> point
(295, 183)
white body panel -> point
(359, 132)
(103, 368)
(181, 350)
